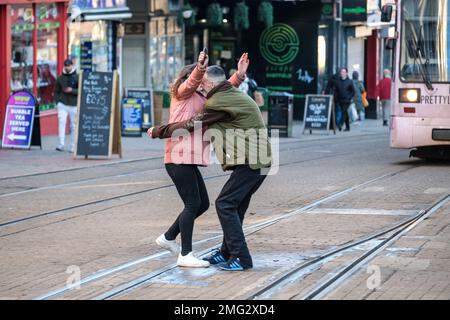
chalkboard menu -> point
(147, 109)
(96, 113)
(317, 112)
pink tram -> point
(420, 108)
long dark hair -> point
(182, 76)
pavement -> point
(415, 267)
(109, 214)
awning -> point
(366, 29)
(106, 14)
(380, 25)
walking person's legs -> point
(345, 116)
(242, 209)
(338, 116)
(73, 121)
(189, 179)
(235, 194)
(62, 120)
(386, 110)
(192, 190)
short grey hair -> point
(215, 74)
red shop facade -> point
(33, 38)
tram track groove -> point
(258, 227)
(326, 286)
(124, 195)
(95, 166)
(61, 185)
(349, 270)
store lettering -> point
(279, 68)
(436, 99)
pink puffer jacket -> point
(188, 103)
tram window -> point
(425, 45)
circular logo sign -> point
(327, 9)
(279, 44)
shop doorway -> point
(134, 63)
(356, 56)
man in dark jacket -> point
(345, 91)
(66, 97)
(330, 89)
(232, 115)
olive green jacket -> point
(236, 128)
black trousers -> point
(231, 206)
(192, 190)
(345, 118)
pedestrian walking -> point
(344, 94)
(357, 98)
(384, 94)
(66, 98)
(182, 158)
(331, 89)
(228, 109)
(250, 86)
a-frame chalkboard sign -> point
(98, 125)
(318, 110)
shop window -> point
(94, 32)
(22, 25)
(47, 54)
(24, 53)
(166, 52)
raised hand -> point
(243, 64)
(203, 60)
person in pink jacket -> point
(183, 156)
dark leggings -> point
(192, 190)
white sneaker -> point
(170, 245)
(190, 260)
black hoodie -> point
(67, 80)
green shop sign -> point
(327, 9)
(357, 10)
(46, 107)
(354, 10)
(279, 44)
(29, 26)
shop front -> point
(38, 36)
(153, 50)
(364, 45)
(289, 56)
(33, 36)
(94, 34)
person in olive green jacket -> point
(241, 143)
